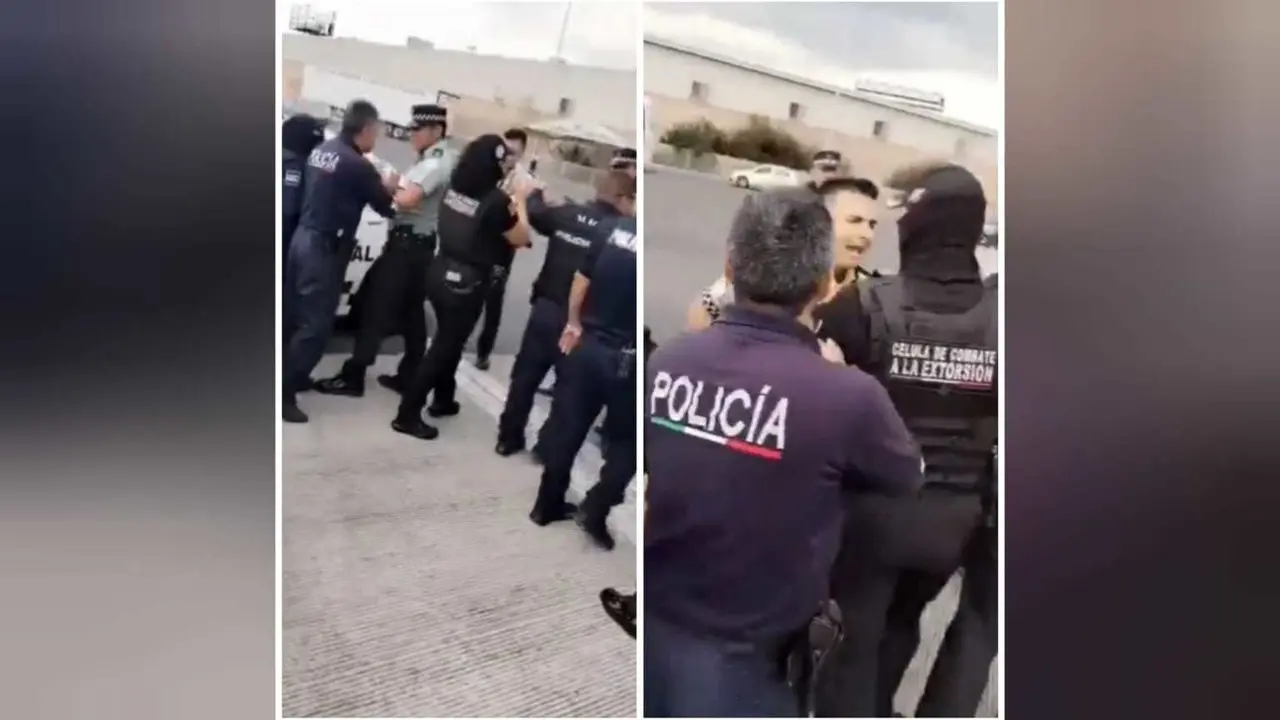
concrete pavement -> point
(414, 584)
(686, 221)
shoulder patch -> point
(436, 152)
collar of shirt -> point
(773, 322)
(604, 208)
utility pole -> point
(564, 28)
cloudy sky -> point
(950, 48)
(598, 33)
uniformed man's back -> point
(340, 182)
(610, 307)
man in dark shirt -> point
(598, 371)
(752, 440)
(931, 340)
(572, 230)
(479, 224)
(340, 182)
(299, 136)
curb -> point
(490, 394)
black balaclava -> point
(945, 214)
(301, 134)
(479, 168)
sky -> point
(949, 48)
(603, 34)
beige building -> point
(874, 135)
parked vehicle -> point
(766, 177)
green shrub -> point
(574, 153)
(761, 142)
(698, 137)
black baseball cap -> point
(915, 184)
(427, 115)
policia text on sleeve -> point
(340, 182)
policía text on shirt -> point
(325, 161)
(725, 412)
(623, 239)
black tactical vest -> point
(940, 371)
(457, 230)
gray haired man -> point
(752, 439)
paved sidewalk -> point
(414, 584)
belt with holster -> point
(802, 654)
(408, 232)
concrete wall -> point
(519, 88)
(867, 157)
(671, 73)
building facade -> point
(683, 77)
(531, 88)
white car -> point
(766, 177)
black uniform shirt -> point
(572, 230)
(609, 310)
(339, 183)
(752, 440)
(494, 217)
(843, 321)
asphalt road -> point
(528, 262)
(686, 221)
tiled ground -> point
(415, 586)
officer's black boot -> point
(291, 413)
(349, 382)
(392, 383)
(595, 527)
(414, 425)
(444, 409)
(482, 362)
(507, 447)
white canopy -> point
(568, 129)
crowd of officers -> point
(820, 460)
(458, 218)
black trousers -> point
(963, 667)
(897, 556)
(393, 302)
(587, 380)
(492, 314)
(457, 293)
(539, 353)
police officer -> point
(339, 183)
(598, 371)
(753, 438)
(517, 140)
(932, 333)
(299, 135)
(479, 223)
(572, 230)
(624, 159)
(397, 283)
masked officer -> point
(517, 140)
(624, 159)
(598, 371)
(299, 135)
(397, 281)
(339, 183)
(933, 344)
(479, 225)
(743, 505)
(572, 231)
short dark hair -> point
(862, 186)
(615, 184)
(780, 248)
(517, 134)
(359, 115)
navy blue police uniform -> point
(932, 342)
(752, 440)
(474, 215)
(572, 230)
(340, 182)
(299, 136)
(598, 374)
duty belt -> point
(408, 231)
